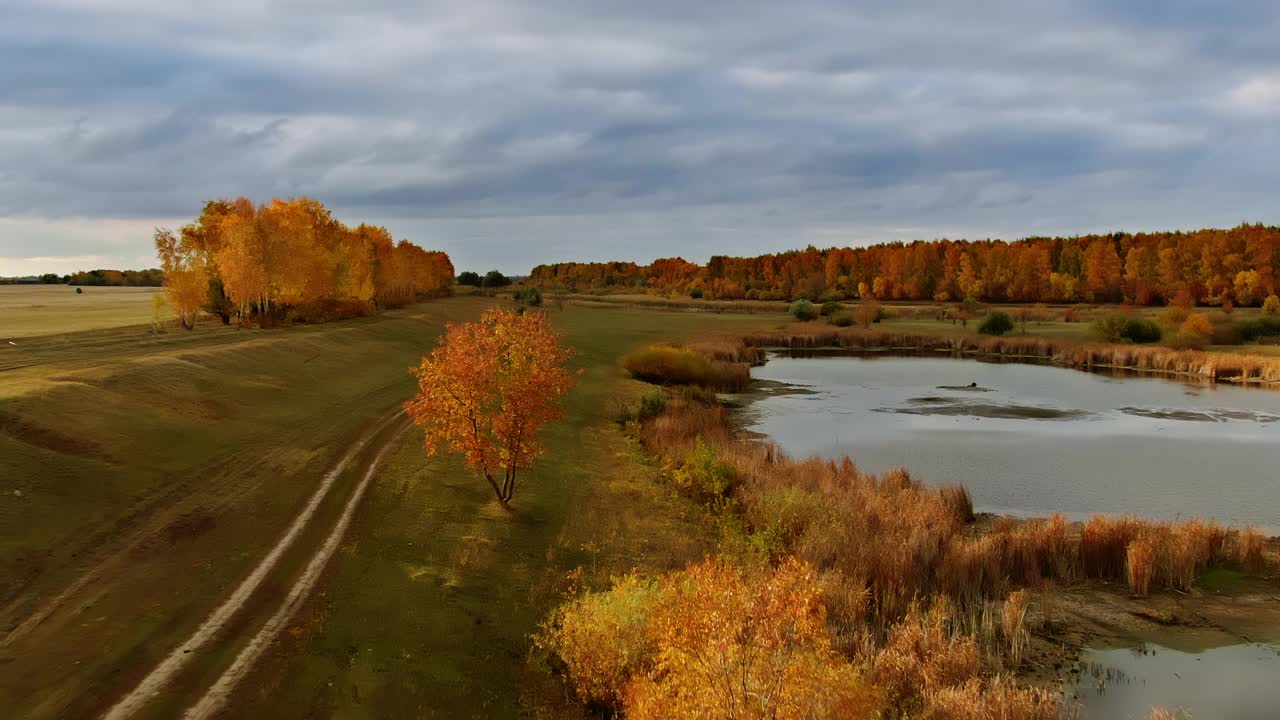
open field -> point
(27, 310)
(163, 468)
(165, 471)
(156, 471)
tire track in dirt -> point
(141, 524)
(217, 695)
(155, 681)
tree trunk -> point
(496, 490)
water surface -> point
(1238, 682)
(1035, 439)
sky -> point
(512, 133)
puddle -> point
(1236, 682)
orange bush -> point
(1140, 565)
(1013, 620)
(732, 645)
(1198, 325)
(1104, 542)
(1247, 550)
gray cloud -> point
(510, 133)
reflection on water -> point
(1034, 439)
(1238, 682)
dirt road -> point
(162, 674)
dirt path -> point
(155, 681)
(217, 695)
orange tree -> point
(487, 389)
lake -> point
(1030, 439)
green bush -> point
(997, 323)
(803, 310)
(1117, 328)
(703, 476)
(696, 293)
(1110, 328)
(830, 308)
(841, 319)
(1263, 327)
(1142, 331)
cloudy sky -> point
(510, 133)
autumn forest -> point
(1237, 266)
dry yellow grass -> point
(28, 310)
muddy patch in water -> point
(942, 406)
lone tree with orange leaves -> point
(488, 388)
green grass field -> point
(168, 463)
(27, 310)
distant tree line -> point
(1239, 266)
(291, 259)
(491, 279)
(152, 277)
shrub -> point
(958, 500)
(1198, 325)
(1115, 328)
(1271, 306)
(997, 323)
(1142, 331)
(1139, 566)
(841, 319)
(703, 476)
(731, 643)
(923, 655)
(830, 308)
(696, 293)
(1264, 327)
(803, 310)
(1110, 327)
(670, 365)
(1247, 550)
(1174, 315)
(603, 638)
(1013, 620)
(650, 406)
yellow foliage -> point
(1198, 325)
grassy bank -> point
(165, 465)
(428, 610)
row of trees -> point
(151, 277)
(1240, 265)
(266, 261)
